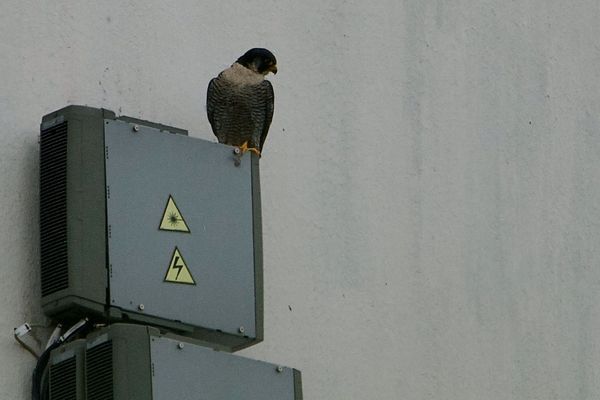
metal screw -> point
(136, 128)
(236, 150)
(180, 345)
(280, 369)
(242, 329)
(141, 307)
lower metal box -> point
(134, 362)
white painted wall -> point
(431, 182)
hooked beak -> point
(273, 68)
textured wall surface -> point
(431, 182)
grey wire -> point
(26, 347)
(54, 336)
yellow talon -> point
(255, 151)
(244, 148)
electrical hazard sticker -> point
(178, 271)
(172, 219)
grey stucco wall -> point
(431, 182)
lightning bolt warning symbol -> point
(178, 271)
(177, 266)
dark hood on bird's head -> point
(259, 60)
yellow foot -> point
(254, 150)
(244, 148)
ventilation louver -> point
(63, 380)
(99, 370)
(53, 209)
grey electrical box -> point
(134, 362)
(141, 223)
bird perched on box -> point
(240, 102)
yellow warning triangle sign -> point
(172, 220)
(178, 271)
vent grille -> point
(99, 372)
(53, 209)
(63, 380)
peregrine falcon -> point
(239, 101)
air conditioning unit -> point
(134, 362)
(140, 222)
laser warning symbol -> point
(172, 219)
(178, 271)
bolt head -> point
(141, 307)
(136, 128)
(242, 329)
(279, 369)
(236, 150)
(180, 345)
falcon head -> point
(259, 60)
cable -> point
(24, 333)
(38, 389)
(39, 384)
(26, 347)
(54, 336)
